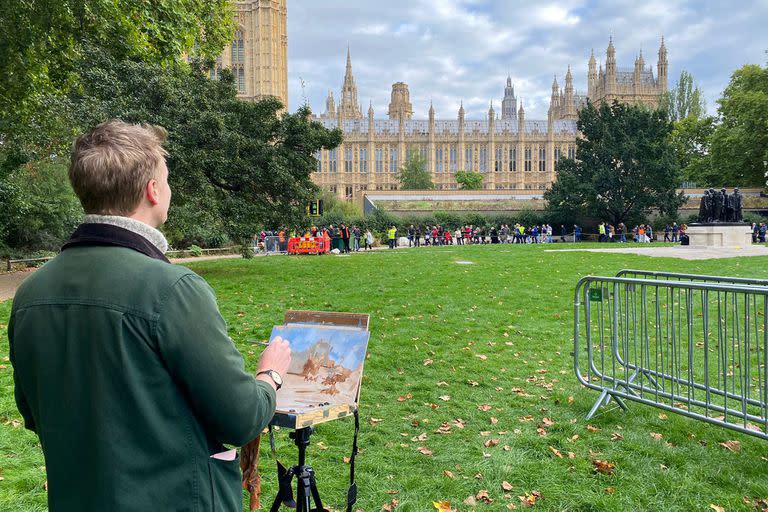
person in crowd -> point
(122, 362)
(457, 236)
(356, 233)
(411, 233)
(667, 232)
(344, 233)
(392, 237)
(675, 231)
(576, 233)
(368, 239)
(761, 233)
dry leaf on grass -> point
(733, 446)
(556, 452)
(389, 507)
(484, 407)
(491, 442)
(448, 473)
(603, 466)
(403, 398)
(442, 506)
(482, 495)
(506, 485)
(716, 508)
(656, 436)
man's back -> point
(124, 369)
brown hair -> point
(112, 164)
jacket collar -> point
(97, 234)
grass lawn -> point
(484, 346)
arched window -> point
(238, 60)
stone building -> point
(512, 152)
(258, 55)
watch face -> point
(276, 377)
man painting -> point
(122, 363)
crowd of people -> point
(355, 238)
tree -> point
(624, 167)
(469, 180)
(684, 100)
(42, 40)
(691, 138)
(740, 142)
(233, 165)
(413, 175)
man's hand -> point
(277, 357)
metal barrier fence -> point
(673, 276)
(275, 245)
(695, 345)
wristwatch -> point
(276, 378)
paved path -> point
(690, 252)
(11, 281)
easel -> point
(303, 423)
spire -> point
(431, 109)
(370, 109)
(662, 65)
(349, 107)
(461, 109)
(610, 61)
(330, 105)
(491, 112)
(555, 87)
(592, 62)
(521, 112)
(509, 81)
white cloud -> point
(454, 50)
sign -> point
(595, 295)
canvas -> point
(326, 366)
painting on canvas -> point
(326, 365)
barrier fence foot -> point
(604, 399)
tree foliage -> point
(42, 40)
(691, 138)
(684, 100)
(248, 162)
(469, 180)
(624, 167)
(413, 175)
(740, 142)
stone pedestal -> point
(720, 235)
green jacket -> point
(124, 369)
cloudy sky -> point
(449, 51)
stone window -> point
(363, 163)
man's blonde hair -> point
(112, 164)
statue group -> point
(720, 207)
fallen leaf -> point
(556, 452)
(482, 495)
(733, 446)
(473, 383)
(529, 498)
(442, 506)
(420, 437)
(427, 362)
(375, 421)
(470, 501)
(603, 466)
(592, 429)
(484, 407)
(404, 397)
(444, 398)
(449, 474)
(616, 436)
(656, 436)
(494, 420)
(424, 450)
(389, 507)
(506, 485)
(716, 508)
(547, 422)
(491, 442)
(610, 490)
(392, 491)
(442, 383)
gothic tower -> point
(400, 102)
(258, 55)
(349, 108)
(509, 103)
(662, 65)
